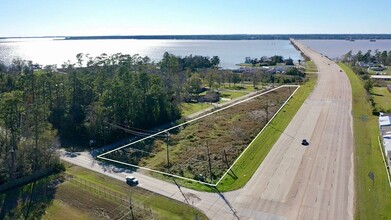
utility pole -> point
(266, 107)
(210, 163)
(226, 159)
(131, 207)
(168, 153)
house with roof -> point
(384, 121)
(381, 78)
(385, 131)
(387, 148)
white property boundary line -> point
(187, 122)
(385, 164)
(267, 124)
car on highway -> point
(131, 180)
(305, 142)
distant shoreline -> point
(226, 37)
(240, 37)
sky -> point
(26, 18)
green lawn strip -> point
(191, 108)
(256, 153)
(243, 87)
(165, 207)
(232, 94)
(372, 199)
(310, 67)
(382, 98)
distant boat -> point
(372, 40)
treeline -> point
(27, 140)
(79, 104)
(240, 37)
(87, 101)
(374, 57)
(269, 61)
(196, 62)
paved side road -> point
(294, 181)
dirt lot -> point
(222, 136)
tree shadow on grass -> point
(232, 174)
(29, 201)
(375, 94)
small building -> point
(387, 148)
(384, 121)
(364, 64)
(377, 77)
(385, 131)
(376, 68)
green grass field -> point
(382, 98)
(232, 94)
(372, 199)
(191, 108)
(241, 87)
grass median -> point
(372, 198)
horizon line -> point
(182, 35)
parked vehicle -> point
(304, 142)
(131, 180)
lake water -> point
(337, 48)
(49, 51)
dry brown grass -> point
(228, 131)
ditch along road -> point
(294, 181)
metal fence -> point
(128, 209)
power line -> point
(136, 133)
